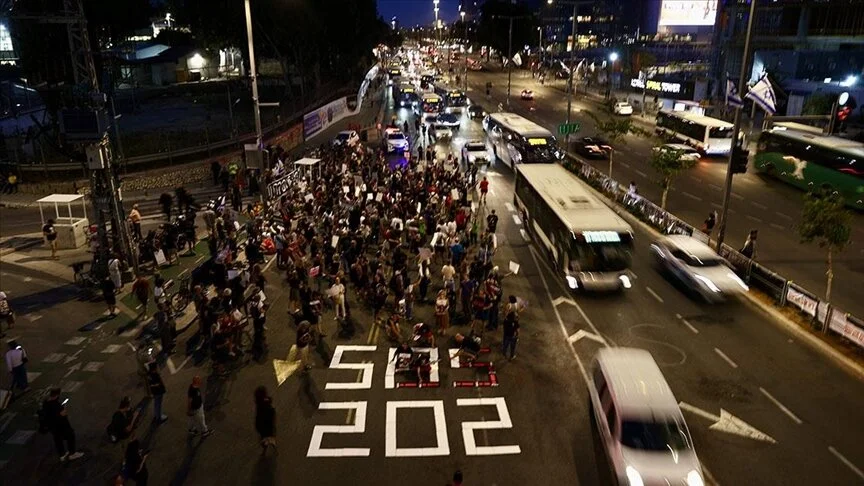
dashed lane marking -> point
(93, 366)
(727, 359)
(687, 323)
(777, 226)
(737, 196)
(654, 294)
(691, 196)
(847, 462)
(754, 218)
(715, 187)
(112, 348)
(784, 216)
(53, 357)
(760, 206)
(641, 173)
(782, 407)
(76, 341)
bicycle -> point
(181, 299)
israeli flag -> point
(763, 95)
(732, 98)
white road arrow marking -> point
(285, 368)
(729, 423)
(582, 333)
(72, 369)
(562, 300)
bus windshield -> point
(539, 150)
(456, 99)
(720, 132)
(599, 257)
(431, 105)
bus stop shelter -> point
(307, 166)
(71, 228)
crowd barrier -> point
(823, 315)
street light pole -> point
(509, 60)
(465, 24)
(570, 74)
(259, 139)
(736, 130)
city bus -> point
(709, 136)
(813, 161)
(588, 244)
(516, 140)
(430, 106)
(456, 101)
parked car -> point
(527, 95)
(593, 147)
(396, 140)
(475, 152)
(687, 152)
(347, 137)
(698, 266)
(622, 108)
(449, 120)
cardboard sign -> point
(514, 268)
(334, 241)
(309, 197)
(346, 189)
(357, 191)
(379, 196)
(419, 206)
(369, 196)
(454, 193)
(160, 258)
(344, 168)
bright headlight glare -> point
(625, 281)
(694, 479)
(708, 283)
(571, 281)
(633, 477)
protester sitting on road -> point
(469, 347)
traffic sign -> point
(568, 128)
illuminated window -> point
(5, 39)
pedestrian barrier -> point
(823, 315)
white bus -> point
(709, 136)
(429, 107)
(587, 242)
(516, 140)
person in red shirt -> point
(484, 188)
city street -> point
(758, 202)
(761, 406)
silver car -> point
(474, 152)
(697, 266)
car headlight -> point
(633, 477)
(572, 282)
(694, 479)
(737, 279)
(707, 282)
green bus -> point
(813, 161)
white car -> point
(698, 267)
(527, 95)
(396, 140)
(474, 152)
(348, 137)
(687, 152)
(441, 131)
(622, 108)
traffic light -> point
(739, 160)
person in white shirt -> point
(16, 363)
(447, 273)
(337, 291)
(397, 224)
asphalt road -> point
(730, 357)
(758, 202)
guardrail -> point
(823, 315)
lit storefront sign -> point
(664, 89)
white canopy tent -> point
(307, 165)
(71, 229)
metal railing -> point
(823, 315)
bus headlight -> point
(572, 282)
(694, 479)
(633, 477)
(625, 281)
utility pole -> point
(511, 18)
(259, 138)
(736, 130)
(467, 44)
(572, 59)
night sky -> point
(412, 12)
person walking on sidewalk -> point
(50, 234)
(195, 409)
(135, 219)
(157, 390)
(16, 363)
(141, 289)
(57, 422)
(511, 328)
(265, 419)
(110, 296)
(749, 248)
(114, 272)
(710, 221)
(304, 338)
(484, 189)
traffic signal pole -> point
(736, 130)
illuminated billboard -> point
(687, 12)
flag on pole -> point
(763, 95)
(732, 97)
(517, 59)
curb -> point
(17, 205)
(13, 249)
(814, 342)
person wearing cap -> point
(135, 219)
(16, 363)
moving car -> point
(396, 140)
(593, 147)
(449, 120)
(639, 423)
(441, 131)
(527, 94)
(687, 152)
(347, 137)
(475, 152)
(622, 108)
(476, 111)
(697, 266)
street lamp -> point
(613, 56)
(462, 14)
(572, 57)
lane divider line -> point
(687, 323)
(727, 359)
(781, 406)
(654, 294)
(845, 461)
